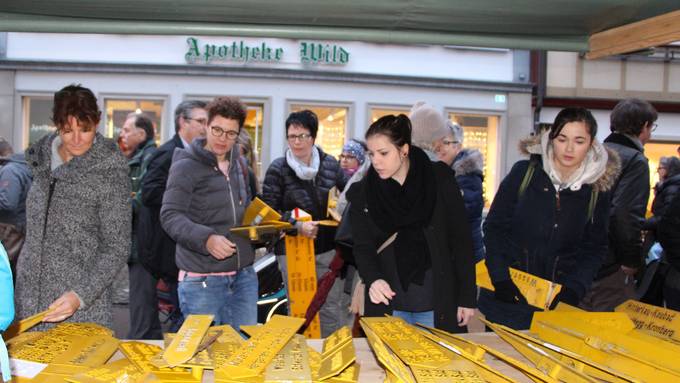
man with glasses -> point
(632, 124)
(156, 248)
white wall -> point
(276, 94)
(414, 60)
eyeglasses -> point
(302, 137)
(654, 126)
(346, 157)
(201, 121)
(449, 142)
(219, 132)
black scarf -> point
(407, 210)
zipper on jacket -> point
(233, 212)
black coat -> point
(449, 241)
(538, 235)
(283, 190)
(668, 232)
(665, 192)
(156, 248)
(629, 205)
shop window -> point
(654, 151)
(378, 112)
(332, 126)
(481, 133)
(117, 110)
(37, 117)
(253, 125)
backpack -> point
(527, 179)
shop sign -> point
(241, 51)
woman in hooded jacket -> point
(556, 229)
(412, 243)
(207, 195)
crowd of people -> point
(80, 205)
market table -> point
(370, 371)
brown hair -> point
(227, 107)
(77, 101)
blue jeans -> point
(425, 317)
(231, 299)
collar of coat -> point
(606, 180)
(104, 156)
(622, 139)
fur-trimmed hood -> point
(468, 162)
(532, 146)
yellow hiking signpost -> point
(301, 265)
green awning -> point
(522, 24)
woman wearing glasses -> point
(468, 164)
(302, 179)
(206, 195)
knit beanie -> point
(428, 125)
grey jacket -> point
(200, 201)
(15, 180)
(78, 230)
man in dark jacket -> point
(632, 123)
(138, 135)
(156, 250)
(668, 234)
(15, 180)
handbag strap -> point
(387, 242)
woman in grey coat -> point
(78, 217)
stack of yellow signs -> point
(538, 292)
(63, 351)
(646, 354)
(410, 356)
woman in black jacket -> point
(302, 179)
(552, 230)
(426, 273)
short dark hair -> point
(144, 122)
(305, 118)
(631, 115)
(77, 101)
(396, 128)
(227, 107)
(6, 149)
(568, 115)
(184, 110)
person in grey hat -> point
(468, 164)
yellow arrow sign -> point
(188, 338)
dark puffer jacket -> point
(469, 168)
(283, 190)
(665, 192)
(200, 201)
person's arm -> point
(11, 188)
(628, 207)
(498, 224)
(471, 185)
(461, 238)
(156, 178)
(114, 232)
(591, 253)
(174, 212)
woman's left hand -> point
(63, 308)
(464, 315)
